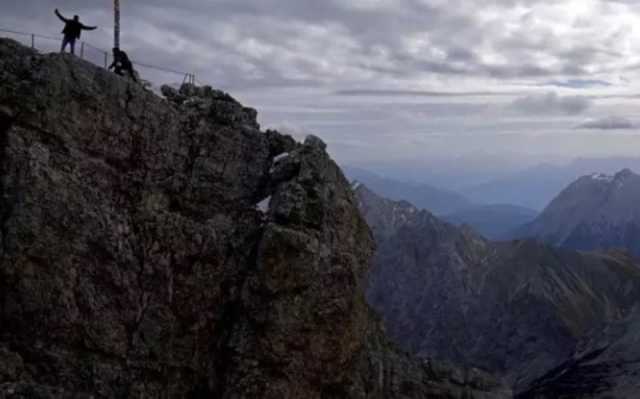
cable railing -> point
(86, 51)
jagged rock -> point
(172, 95)
(134, 262)
(316, 142)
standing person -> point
(72, 30)
(122, 63)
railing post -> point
(82, 50)
(33, 41)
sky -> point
(495, 84)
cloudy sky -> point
(389, 82)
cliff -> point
(167, 248)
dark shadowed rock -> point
(166, 248)
(606, 365)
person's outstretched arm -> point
(63, 19)
(89, 27)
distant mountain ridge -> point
(596, 212)
(535, 187)
(423, 196)
(495, 222)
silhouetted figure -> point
(121, 63)
(72, 30)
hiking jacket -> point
(122, 60)
(72, 28)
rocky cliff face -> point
(167, 248)
(518, 309)
(596, 212)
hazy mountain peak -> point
(625, 174)
(619, 177)
(602, 177)
(595, 212)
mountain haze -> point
(495, 222)
(423, 196)
(535, 187)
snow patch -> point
(280, 157)
(263, 206)
(276, 160)
(355, 185)
(602, 177)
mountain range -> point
(424, 196)
(520, 309)
(535, 187)
(494, 221)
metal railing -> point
(88, 52)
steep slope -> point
(136, 262)
(596, 212)
(518, 309)
(605, 366)
(438, 201)
(495, 222)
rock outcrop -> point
(167, 248)
(522, 310)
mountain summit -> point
(167, 248)
(597, 212)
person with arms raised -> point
(72, 30)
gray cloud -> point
(419, 93)
(609, 123)
(578, 83)
(248, 43)
(375, 77)
(551, 103)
